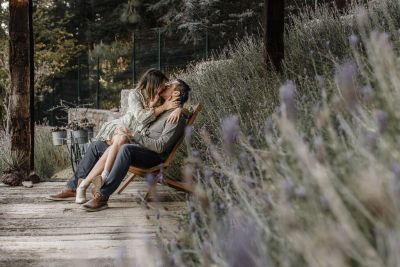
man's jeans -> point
(92, 155)
(129, 154)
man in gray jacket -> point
(148, 148)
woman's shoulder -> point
(135, 93)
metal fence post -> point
(98, 84)
(52, 102)
(159, 48)
(79, 81)
(207, 43)
(133, 60)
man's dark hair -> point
(185, 91)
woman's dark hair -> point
(184, 90)
(150, 82)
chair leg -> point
(181, 186)
(128, 180)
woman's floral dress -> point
(136, 117)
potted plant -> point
(59, 135)
(79, 134)
(87, 126)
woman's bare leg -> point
(118, 142)
(98, 167)
(99, 180)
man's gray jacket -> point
(161, 136)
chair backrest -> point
(190, 122)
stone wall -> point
(99, 116)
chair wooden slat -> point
(136, 171)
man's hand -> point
(174, 116)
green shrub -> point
(48, 158)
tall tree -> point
(274, 29)
(21, 72)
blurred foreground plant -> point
(308, 172)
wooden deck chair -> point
(141, 172)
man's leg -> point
(128, 155)
(94, 152)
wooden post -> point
(21, 70)
(274, 28)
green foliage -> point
(114, 69)
(54, 45)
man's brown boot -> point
(66, 194)
(97, 203)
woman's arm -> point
(137, 110)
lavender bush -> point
(307, 171)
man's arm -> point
(167, 139)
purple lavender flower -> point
(287, 94)
(288, 188)
(238, 240)
(381, 120)
(207, 174)
(301, 192)
(354, 40)
(320, 80)
(396, 169)
(230, 132)
(345, 78)
(371, 139)
(366, 92)
(323, 201)
(319, 148)
(395, 187)
(188, 134)
(151, 179)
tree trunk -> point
(342, 4)
(32, 88)
(21, 70)
(274, 28)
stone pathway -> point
(37, 232)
